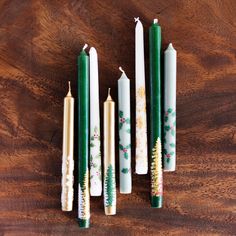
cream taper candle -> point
(67, 193)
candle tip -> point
(155, 21)
(69, 90)
(170, 47)
(109, 95)
(136, 19)
(85, 46)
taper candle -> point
(109, 181)
(124, 133)
(155, 115)
(67, 153)
(169, 139)
(141, 155)
(95, 143)
(83, 138)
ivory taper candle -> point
(109, 180)
(67, 193)
(169, 139)
(124, 133)
(95, 143)
(141, 155)
(155, 115)
(83, 138)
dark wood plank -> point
(39, 43)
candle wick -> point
(69, 91)
(136, 19)
(69, 86)
(85, 46)
(155, 21)
(120, 68)
(109, 92)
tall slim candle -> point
(141, 155)
(95, 152)
(170, 109)
(109, 180)
(124, 133)
(155, 115)
(83, 134)
(68, 152)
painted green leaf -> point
(172, 132)
(120, 125)
(172, 153)
(92, 144)
(169, 110)
(128, 146)
(92, 138)
(127, 121)
(167, 127)
(174, 122)
(109, 186)
(128, 131)
(98, 155)
(121, 147)
(166, 118)
(165, 151)
(121, 113)
(172, 145)
(125, 170)
(167, 160)
(173, 114)
(126, 156)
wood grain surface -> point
(39, 44)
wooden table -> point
(39, 44)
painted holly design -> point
(169, 128)
(94, 137)
(124, 126)
(95, 157)
(123, 121)
(125, 149)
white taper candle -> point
(95, 143)
(141, 156)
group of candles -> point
(89, 143)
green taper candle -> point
(83, 139)
(155, 115)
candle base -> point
(156, 201)
(169, 170)
(110, 210)
(84, 223)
